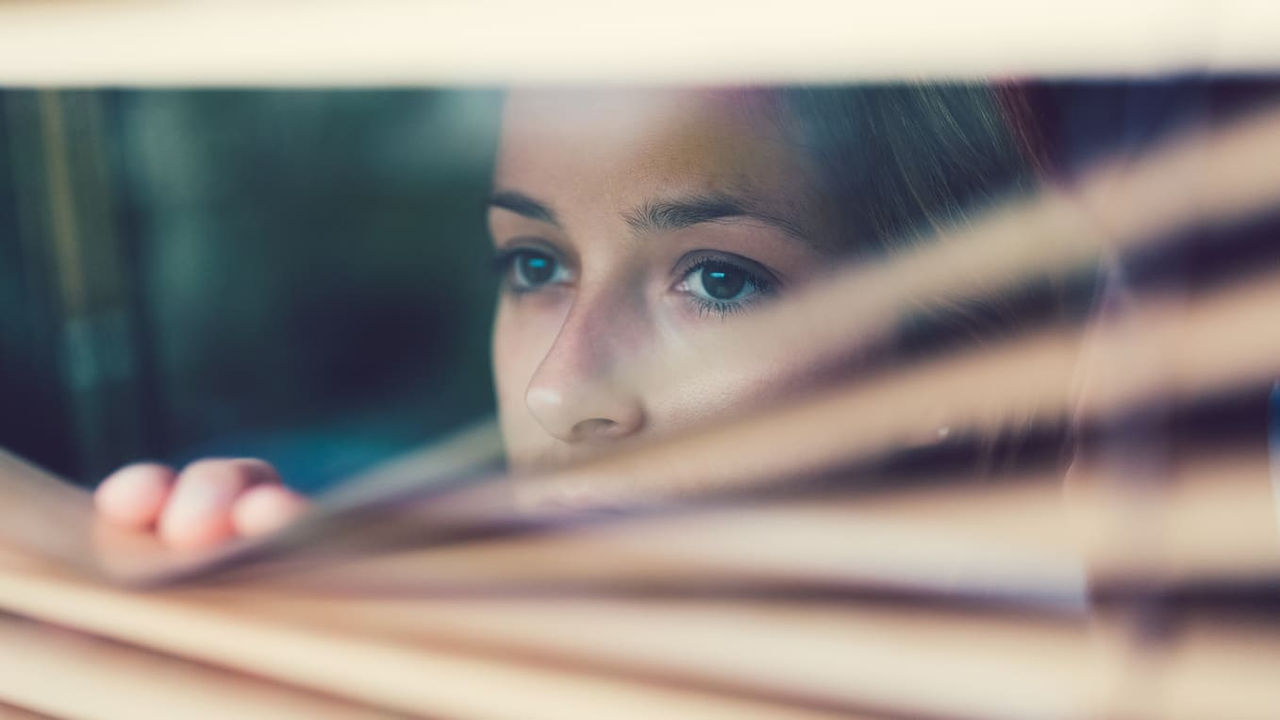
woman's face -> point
(626, 225)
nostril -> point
(595, 412)
(596, 428)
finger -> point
(134, 495)
(265, 509)
(198, 514)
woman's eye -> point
(531, 269)
(724, 283)
(723, 287)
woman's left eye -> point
(723, 287)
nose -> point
(577, 394)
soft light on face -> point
(626, 223)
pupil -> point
(723, 283)
(536, 269)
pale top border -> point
(501, 42)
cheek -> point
(720, 393)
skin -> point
(623, 221)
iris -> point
(535, 269)
(723, 282)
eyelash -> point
(761, 280)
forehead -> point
(628, 146)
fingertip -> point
(266, 508)
(198, 514)
(134, 495)
(200, 510)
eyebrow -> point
(686, 212)
(663, 215)
(523, 205)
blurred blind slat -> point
(381, 42)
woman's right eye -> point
(525, 269)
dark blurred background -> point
(304, 276)
(301, 276)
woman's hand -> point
(208, 503)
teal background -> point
(301, 276)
